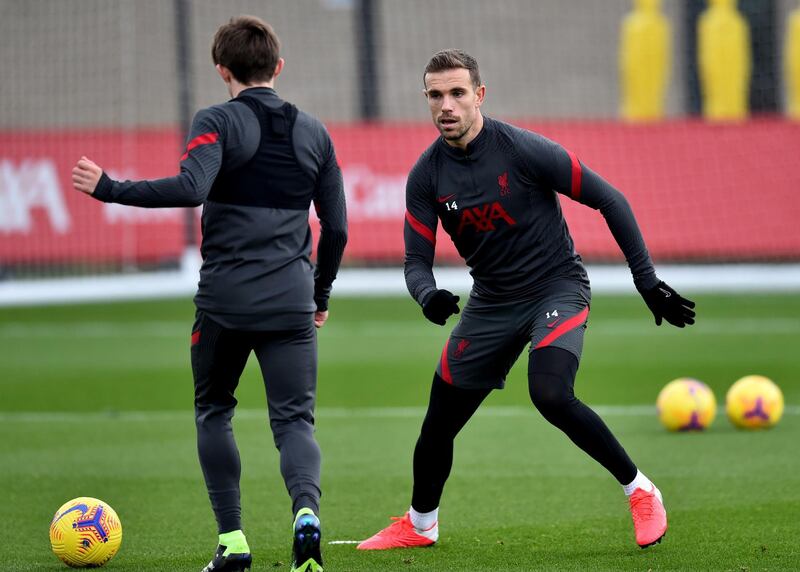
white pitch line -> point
(323, 414)
(153, 328)
(383, 328)
(344, 542)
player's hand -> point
(85, 175)
(667, 304)
(441, 306)
(320, 318)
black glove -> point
(666, 303)
(440, 306)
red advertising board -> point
(42, 219)
(699, 191)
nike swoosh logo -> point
(445, 199)
(551, 324)
(666, 293)
(79, 507)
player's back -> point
(256, 246)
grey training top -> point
(497, 201)
(256, 272)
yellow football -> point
(85, 533)
(686, 404)
(754, 402)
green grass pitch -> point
(96, 400)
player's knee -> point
(549, 392)
(213, 414)
(551, 377)
(434, 430)
(286, 427)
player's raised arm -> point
(331, 208)
(562, 171)
(199, 167)
(419, 233)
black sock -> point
(551, 377)
(449, 410)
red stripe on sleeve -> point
(421, 229)
(576, 175)
(446, 365)
(204, 139)
(575, 321)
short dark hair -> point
(247, 46)
(454, 59)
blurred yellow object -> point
(686, 404)
(754, 402)
(724, 61)
(791, 62)
(644, 61)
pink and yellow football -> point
(686, 404)
(85, 533)
(754, 402)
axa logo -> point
(483, 218)
(29, 186)
(502, 181)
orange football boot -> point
(401, 534)
(649, 516)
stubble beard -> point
(457, 136)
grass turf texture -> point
(96, 400)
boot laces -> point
(643, 507)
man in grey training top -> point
(495, 189)
(255, 163)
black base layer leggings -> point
(551, 377)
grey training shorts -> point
(490, 335)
